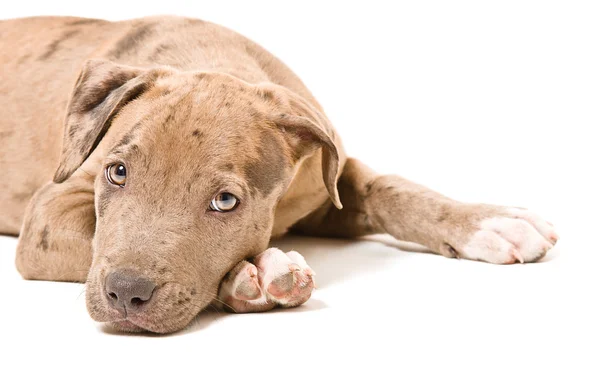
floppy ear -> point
(102, 89)
(306, 130)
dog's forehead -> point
(195, 131)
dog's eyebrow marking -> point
(53, 47)
(131, 40)
(125, 140)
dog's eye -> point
(224, 202)
(116, 174)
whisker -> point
(226, 304)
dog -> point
(154, 159)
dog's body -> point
(177, 101)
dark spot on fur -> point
(24, 58)
(193, 292)
(85, 21)
(6, 134)
(196, 133)
(228, 167)
(200, 76)
(102, 202)
(267, 95)
(369, 187)
(53, 47)
(162, 270)
(265, 172)
(159, 51)
(443, 214)
(43, 244)
(227, 104)
(130, 42)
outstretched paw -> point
(274, 278)
(514, 235)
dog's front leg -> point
(408, 211)
(273, 278)
(56, 237)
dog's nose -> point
(128, 291)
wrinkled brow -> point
(222, 181)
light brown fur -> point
(192, 109)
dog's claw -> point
(275, 278)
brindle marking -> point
(131, 40)
(54, 46)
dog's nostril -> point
(137, 301)
(113, 296)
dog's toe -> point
(241, 291)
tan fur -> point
(192, 109)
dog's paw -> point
(241, 291)
(286, 278)
(275, 278)
(511, 236)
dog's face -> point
(189, 170)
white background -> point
(485, 101)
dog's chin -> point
(125, 326)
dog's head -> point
(189, 169)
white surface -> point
(491, 103)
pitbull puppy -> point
(155, 158)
